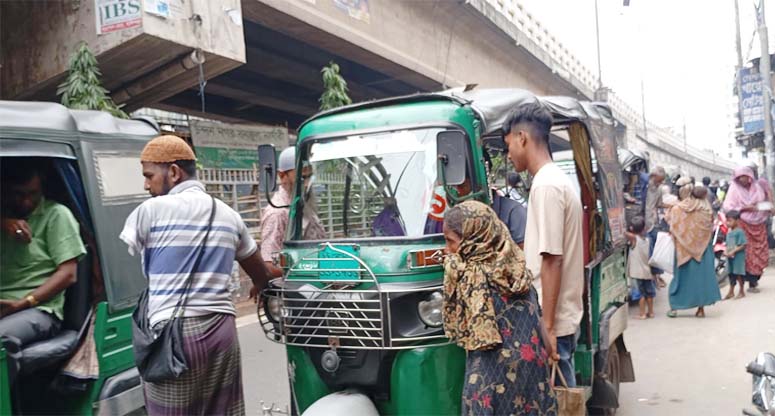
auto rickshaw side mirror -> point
(451, 148)
(267, 165)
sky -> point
(684, 50)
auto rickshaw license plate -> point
(339, 263)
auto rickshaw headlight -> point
(430, 309)
(274, 308)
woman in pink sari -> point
(745, 194)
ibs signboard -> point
(751, 101)
(115, 15)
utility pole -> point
(643, 108)
(738, 78)
(764, 71)
(597, 34)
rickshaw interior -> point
(90, 163)
(376, 185)
(40, 363)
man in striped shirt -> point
(168, 230)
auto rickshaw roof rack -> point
(492, 105)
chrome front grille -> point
(339, 314)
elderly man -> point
(39, 249)
(275, 218)
(651, 211)
(168, 230)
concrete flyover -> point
(271, 73)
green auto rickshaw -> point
(91, 164)
(359, 307)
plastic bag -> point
(664, 253)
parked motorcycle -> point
(762, 369)
(720, 248)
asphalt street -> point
(683, 365)
(692, 366)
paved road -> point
(264, 374)
(683, 366)
(690, 366)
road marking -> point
(247, 320)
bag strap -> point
(181, 305)
(554, 376)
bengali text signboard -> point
(231, 146)
(751, 101)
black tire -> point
(613, 373)
(722, 270)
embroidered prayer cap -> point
(167, 149)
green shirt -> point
(736, 238)
(25, 267)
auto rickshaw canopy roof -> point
(37, 115)
(493, 106)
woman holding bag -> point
(745, 195)
(694, 282)
(491, 310)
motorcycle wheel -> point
(722, 273)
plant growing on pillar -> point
(82, 90)
(334, 88)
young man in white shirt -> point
(553, 235)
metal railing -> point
(350, 311)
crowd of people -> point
(513, 335)
(690, 212)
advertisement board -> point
(751, 101)
(115, 15)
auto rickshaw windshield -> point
(372, 185)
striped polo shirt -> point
(168, 231)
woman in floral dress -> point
(491, 310)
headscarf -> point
(738, 197)
(691, 224)
(685, 187)
(487, 257)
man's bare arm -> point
(551, 272)
(256, 269)
(62, 278)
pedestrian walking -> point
(651, 213)
(744, 195)
(638, 266)
(491, 310)
(735, 254)
(168, 231)
(553, 236)
(694, 282)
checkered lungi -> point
(213, 383)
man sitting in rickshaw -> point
(40, 246)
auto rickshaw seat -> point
(47, 353)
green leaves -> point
(334, 88)
(82, 90)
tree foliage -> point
(82, 90)
(334, 88)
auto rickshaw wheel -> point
(612, 373)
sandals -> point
(672, 314)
